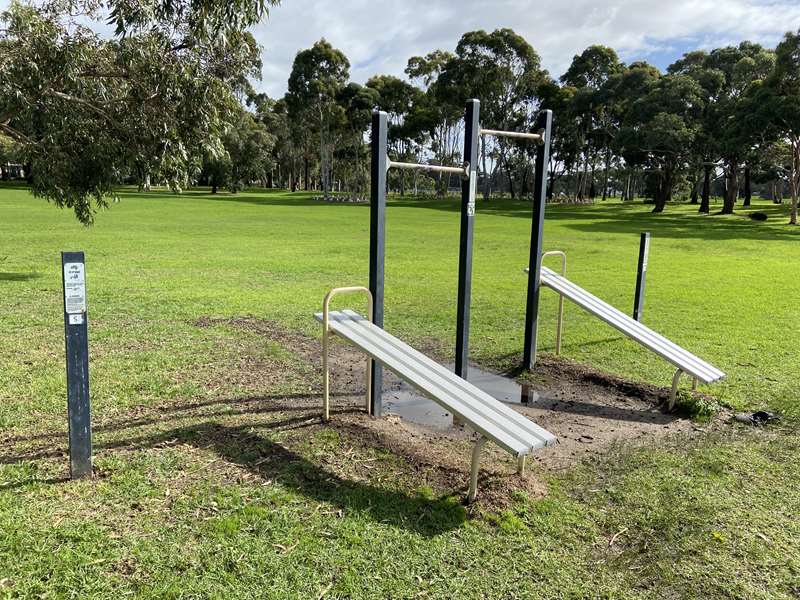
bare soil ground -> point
(258, 434)
(587, 410)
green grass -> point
(199, 496)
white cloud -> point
(379, 36)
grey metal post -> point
(544, 123)
(468, 189)
(73, 273)
(377, 239)
(641, 275)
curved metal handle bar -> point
(563, 256)
(560, 322)
(354, 289)
(326, 379)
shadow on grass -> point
(19, 276)
(246, 446)
(270, 461)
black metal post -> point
(73, 270)
(641, 275)
(544, 124)
(469, 187)
(377, 239)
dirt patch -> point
(588, 410)
(254, 435)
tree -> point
(318, 76)
(357, 102)
(659, 131)
(779, 101)
(247, 156)
(399, 99)
(504, 71)
(588, 74)
(86, 111)
(437, 114)
(725, 74)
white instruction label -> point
(74, 288)
(473, 189)
(75, 319)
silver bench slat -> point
(485, 403)
(418, 374)
(668, 350)
(417, 369)
(645, 336)
(343, 327)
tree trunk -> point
(305, 173)
(748, 192)
(693, 196)
(731, 187)
(706, 195)
(605, 173)
(663, 191)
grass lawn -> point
(201, 493)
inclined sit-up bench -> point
(492, 419)
(683, 360)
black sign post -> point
(73, 270)
(641, 275)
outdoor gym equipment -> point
(469, 181)
(492, 419)
(470, 405)
(682, 359)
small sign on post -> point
(73, 270)
(641, 275)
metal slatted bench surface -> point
(669, 351)
(485, 414)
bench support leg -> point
(326, 377)
(675, 380)
(521, 465)
(694, 384)
(369, 385)
(560, 323)
(473, 473)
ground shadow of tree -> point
(243, 445)
(271, 461)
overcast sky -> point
(379, 37)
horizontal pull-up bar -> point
(463, 171)
(539, 137)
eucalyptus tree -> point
(778, 101)
(588, 73)
(399, 99)
(86, 110)
(659, 130)
(617, 94)
(437, 114)
(724, 75)
(318, 75)
(504, 72)
(565, 147)
(357, 101)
